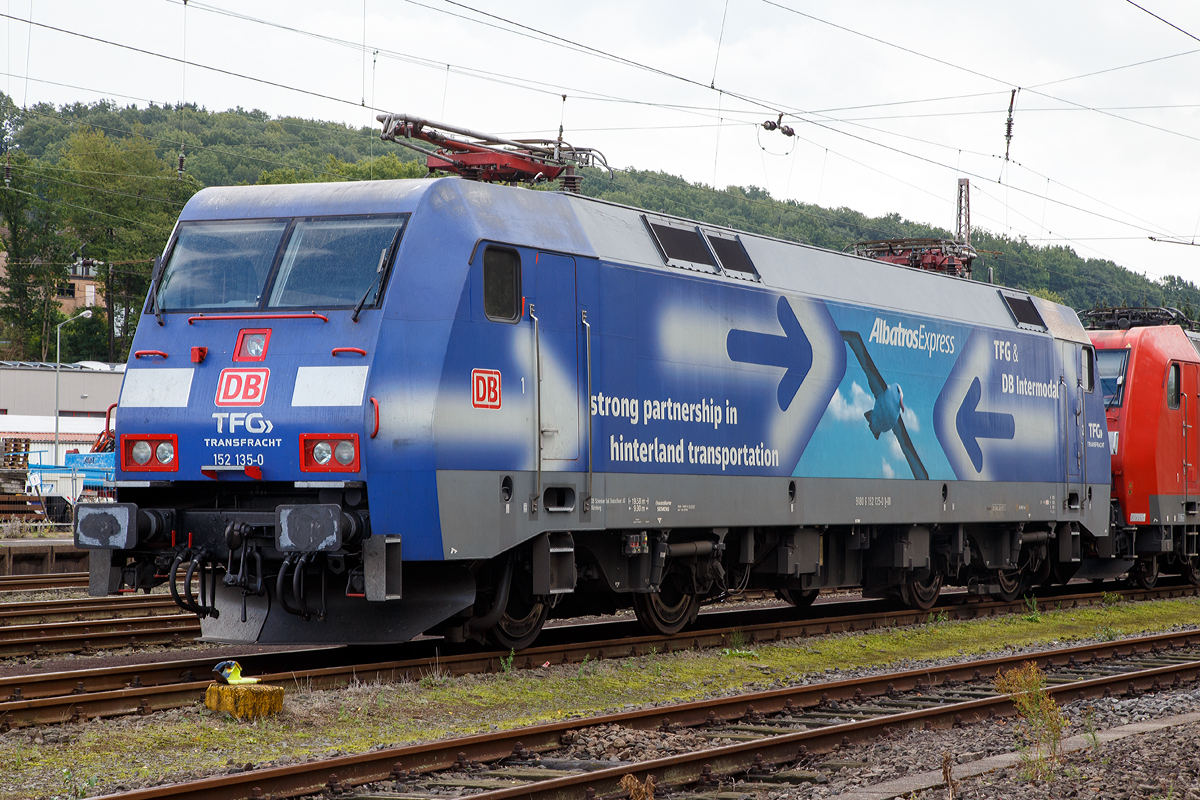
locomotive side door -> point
(1074, 422)
(554, 305)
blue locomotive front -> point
(359, 412)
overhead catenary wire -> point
(103, 190)
(342, 177)
(529, 30)
(1086, 211)
(595, 52)
(1164, 21)
(89, 210)
(273, 83)
(712, 84)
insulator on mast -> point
(181, 159)
(7, 172)
(1008, 126)
(963, 228)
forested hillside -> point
(103, 182)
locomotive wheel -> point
(921, 594)
(1145, 574)
(1189, 568)
(666, 611)
(520, 625)
(1011, 583)
(798, 597)
(1043, 574)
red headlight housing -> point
(149, 452)
(252, 344)
(329, 452)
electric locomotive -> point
(361, 412)
(1147, 362)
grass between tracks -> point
(80, 760)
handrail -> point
(310, 315)
(357, 350)
(141, 353)
(375, 403)
(1183, 395)
(537, 388)
(587, 500)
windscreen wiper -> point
(155, 308)
(378, 273)
(155, 278)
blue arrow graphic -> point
(973, 425)
(791, 351)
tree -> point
(37, 254)
(120, 201)
(388, 167)
(1047, 294)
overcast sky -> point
(891, 102)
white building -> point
(27, 404)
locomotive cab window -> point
(501, 285)
(1087, 375)
(1173, 386)
(219, 264)
(336, 262)
(314, 262)
(1110, 365)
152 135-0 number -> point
(238, 459)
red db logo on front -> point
(242, 387)
(485, 388)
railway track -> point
(86, 636)
(770, 737)
(84, 608)
(49, 698)
(41, 582)
(86, 624)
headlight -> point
(253, 345)
(141, 451)
(322, 452)
(165, 452)
(344, 453)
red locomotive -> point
(1148, 362)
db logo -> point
(242, 387)
(485, 388)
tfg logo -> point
(242, 387)
(485, 388)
